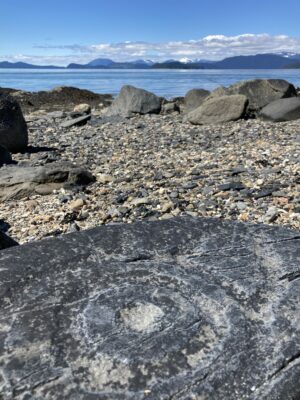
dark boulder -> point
(5, 157)
(13, 128)
(6, 242)
(132, 100)
(17, 182)
(282, 110)
(178, 309)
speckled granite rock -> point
(179, 309)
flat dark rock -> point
(177, 309)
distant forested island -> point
(258, 61)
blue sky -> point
(61, 31)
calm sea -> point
(167, 83)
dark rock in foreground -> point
(178, 309)
(17, 182)
(5, 156)
(5, 242)
(13, 128)
(282, 110)
(132, 100)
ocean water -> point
(167, 83)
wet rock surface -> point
(180, 309)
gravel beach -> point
(151, 167)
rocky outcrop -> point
(17, 182)
(132, 100)
(218, 110)
(179, 309)
(282, 110)
(13, 128)
(261, 92)
(195, 98)
(6, 241)
(61, 98)
(5, 156)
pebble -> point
(157, 167)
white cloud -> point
(213, 47)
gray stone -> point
(177, 309)
(282, 110)
(5, 157)
(132, 100)
(17, 182)
(261, 92)
(194, 98)
(76, 121)
(219, 110)
(6, 242)
(13, 128)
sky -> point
(63, 31)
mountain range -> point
(258, 61)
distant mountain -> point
(258, 61)
(7, 64)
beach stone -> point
(132, 100)
(183, 308)
(6, 241)
(194, 98)
(219, 110)
(17, 182)
(82, 108)
(76, 121)
(5, 157)
(13, 128)
(261, 92)
(282, 110)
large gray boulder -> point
(17, 182)
(261, 92)
(178, 309)
(219, 110)
(13, 128)
(5, 156)
(132, 100)
(194, 98)
(282, 110)
(6, 242)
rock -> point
(76, 204)
(282, 110)
(195, 98)
(76, 121)
(6, 241)
(261, 92)
(132, 100)
(168, 108)
(184, 308)
(5, 157)
(82, 108)
(13, 128)
(219, 110)
(17, 182)
(231, 186)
